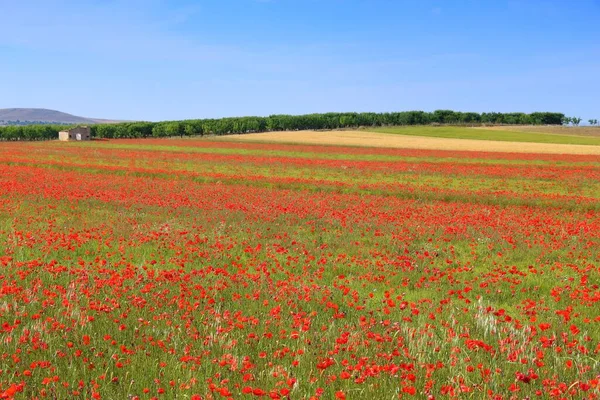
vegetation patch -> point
(243, 270)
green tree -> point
(105, 131)
(193, 127)
(174, 129)
(159, 131)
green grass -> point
(60, 156)
(453, 132)
(167, 279)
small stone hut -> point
(79, 133)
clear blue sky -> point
(177, 59)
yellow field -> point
(372, 139)
(553, 129)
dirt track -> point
(372, 139)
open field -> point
(208, 269)
(516, 134)
(553, 129)
(433, 138)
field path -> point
(373, 139)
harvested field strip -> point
(391, 140)
(495, 134)
(550, 129)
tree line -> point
(30, 132)
(326, 121)
(27, 122)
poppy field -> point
(200, 269)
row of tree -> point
(575, 121)
(30, 132)
(225, 126)
(19, 122)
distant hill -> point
(25, 116)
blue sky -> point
(177, 59)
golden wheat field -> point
(378, 139)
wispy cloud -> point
(117, 29)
